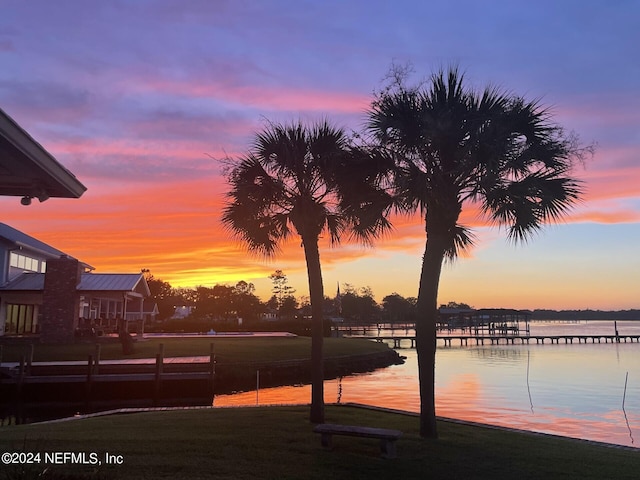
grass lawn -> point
(228, 350)
(277, 443)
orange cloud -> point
(618, 215)
(172, 225)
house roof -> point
(89, 282)
(114, 282)
(28, 170)
(28, 281)
(16, 238)
(19, 239)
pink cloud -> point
(607, 110)
(138, 160)
(203, 127)
(125, 147)
(610, 184)
(273, 98)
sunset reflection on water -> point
(570, 390)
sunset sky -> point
(141, 99)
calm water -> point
(575, 390)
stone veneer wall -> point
(60, 301)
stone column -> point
(60, 300)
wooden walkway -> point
(109, 371)
(465, 340)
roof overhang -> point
(27, 170)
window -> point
(29, 264)
(21, 319)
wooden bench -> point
(387, 437)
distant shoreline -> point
(543, 314)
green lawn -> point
(277, 443)
(229, 350)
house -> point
(46, 293)
(182, 311)
(271, 315)
(43, 291)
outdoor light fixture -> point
(42, 196)
(40, 193)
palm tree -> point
(305, 181)
(454, 147)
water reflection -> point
(577, 389)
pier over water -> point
(400, 341)
(485, 327)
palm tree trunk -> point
(427, 315)
(316, 294)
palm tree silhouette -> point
(453, 147)
(306, 181)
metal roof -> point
(28, 170)
(26, 282)
(89, 282)
(115, 282)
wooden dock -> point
(466, 340)
(153, 379)
(161, 378)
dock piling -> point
(158, 373)
(212, 369)
(96, 361)
(21, 375)
(30, 357)
(87, 389)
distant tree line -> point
(220, 306)
(541, 314)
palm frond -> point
(526, 204)
(306, 180)
(453, 145)
(462, 241)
